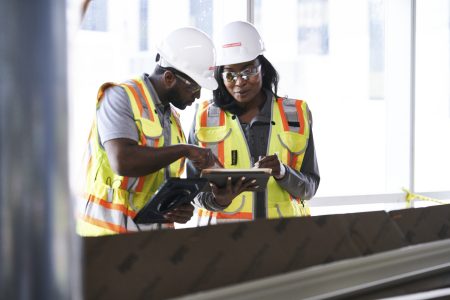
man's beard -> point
(175, 98)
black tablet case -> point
(172, 193)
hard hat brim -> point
(207, 83)
(236, 60)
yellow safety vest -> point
(112, 201)
(221, 131)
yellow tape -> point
(411, 196)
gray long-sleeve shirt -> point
(300, 184)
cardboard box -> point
(170, 263)
(373, 232)
(426, 224)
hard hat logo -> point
(232, 45)
(239, 35)
(190, 51)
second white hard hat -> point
(191, 51)
(239, 42)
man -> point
(136, 141)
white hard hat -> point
(191, 51)
(239, 42)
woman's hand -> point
(272, 162)
(226, 194)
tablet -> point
(171, 194)
(220, 176)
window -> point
(368, 151)
(201, 15)
(376, 48)
(330, 56)
(432, 110)
(143, 25)
(312, 18)
(96, 17)
(118, 41)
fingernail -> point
(254, 180)
(243, 178)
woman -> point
(248, 125)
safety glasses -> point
(232, 77)
(193, 87)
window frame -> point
(386, 198)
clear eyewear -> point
(192, 87)
(245, 74)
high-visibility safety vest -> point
(222, 133)
(112, 201)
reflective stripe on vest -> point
(288, 138)
(112, 201)
(213, 117)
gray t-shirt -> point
(115, 117)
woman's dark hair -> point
(224, 100)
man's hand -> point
(202, 158)
(181, 214)
(225, 195)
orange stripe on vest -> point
(301, 119)
(141, 89)
(204, 115)
(139, 104)
(124, 184)
(239, 215)
(122, 208)
(136, 96)
(103, 224)
(283, 115)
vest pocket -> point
(151, 129)
(294, 142)
(131, 201)
(134, 200)
(283, 209)
(212, 134)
